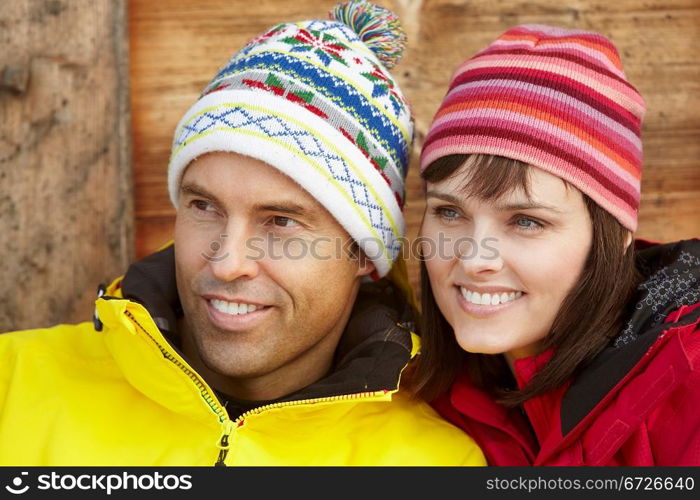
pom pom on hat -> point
(377, 27)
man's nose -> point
(232, 258)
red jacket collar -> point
(542, 412)
(593, 441)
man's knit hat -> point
(314, 99)
(556, 99)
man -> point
(252, 340)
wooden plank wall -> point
(66, 201)
(177, 47)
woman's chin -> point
(479, 343)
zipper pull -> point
(223, 444)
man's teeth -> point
(236, 308)
(489, 299)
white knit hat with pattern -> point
(314, 99)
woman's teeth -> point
(235, 308)
(489, 299)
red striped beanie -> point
(556, 99)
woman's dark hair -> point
(590, 316)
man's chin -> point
(233, 367)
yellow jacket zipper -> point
(227, 424)
(211, 399)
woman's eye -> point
(528, 224)
(280, 221)
(446, 213)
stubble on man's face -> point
(302, 304)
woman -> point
(549, 337)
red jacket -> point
(637, 403)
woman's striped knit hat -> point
(315, 100)
(556, 99)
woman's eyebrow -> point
(512, 207)
(443, 196)
(502, 207)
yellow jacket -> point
(123, 395)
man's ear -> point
(365, 265)
(628, 241)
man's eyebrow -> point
(288, 208)
(196, 190)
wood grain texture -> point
(66, 209)
(176, 50)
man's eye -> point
(281, 221)
(203, 206)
